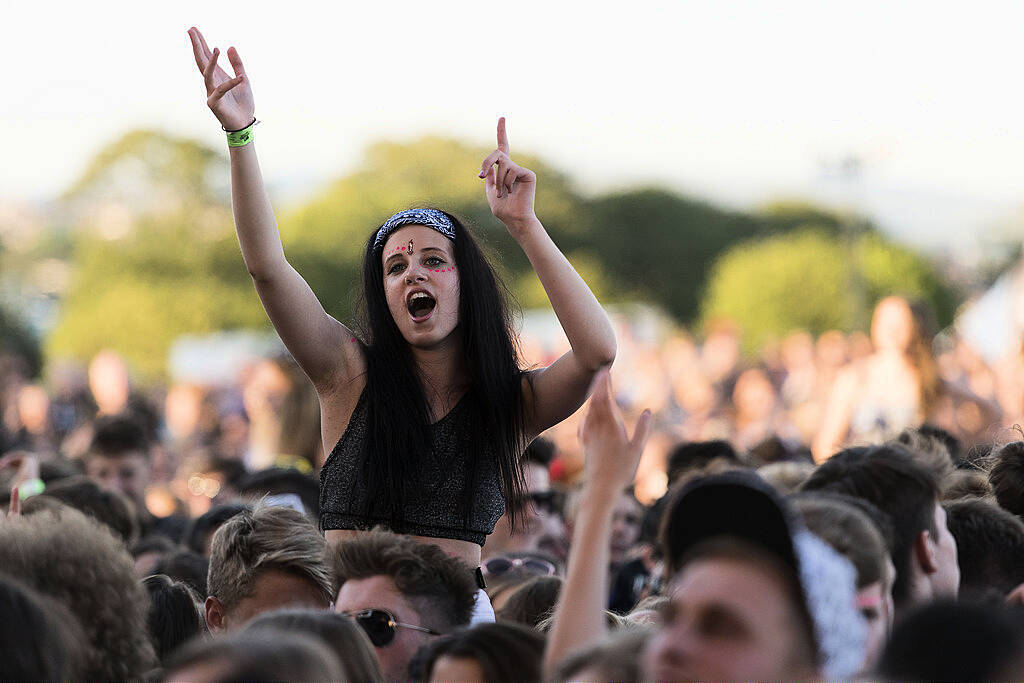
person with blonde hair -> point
(265, 559)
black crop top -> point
(433, 494)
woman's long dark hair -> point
(398, 415)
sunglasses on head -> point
(496, 566)
(380, 625)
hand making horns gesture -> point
(229, 98)
(510, 188)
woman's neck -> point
(442, 369)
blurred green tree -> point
(16, 339)
(800, 280)
(325, 239)
(172, 265)
(154, 254)
(656, 246)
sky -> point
(738, 102)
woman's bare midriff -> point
(466, 551)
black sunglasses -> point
(496, 566)
(380, 625)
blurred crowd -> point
(896, 451)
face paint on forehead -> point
(396, 250)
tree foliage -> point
(657, 246)
(812, 280)
(174, 266)
(326, 237)
(18, 340)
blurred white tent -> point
(994, 322)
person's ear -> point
(925, 553)
(215, 621)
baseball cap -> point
(741, 505)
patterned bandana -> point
(432, 218)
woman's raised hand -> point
(611, 456)
(229, 98)
(510, 188)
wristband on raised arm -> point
(242, 136)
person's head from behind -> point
(490, 653)
(402, 593)
(39, 639)
(989, 545)
(338, 632)
(119, 457)
(618, 657)
(750, 590)
(199, 534)
(531, 602)
(852, 534)
(284, 486)
(186, 566)
(173, 617)
(271, 655)
(1007, 477)
(80, 564)
(694, 455)
(892, 479)
(110, 508)
(266, 559)
(956, 641)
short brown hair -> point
(266, 538)
(439, 587)
(849, 531)
(118, 435)
(109, 508)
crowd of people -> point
(420, 497)
(175, 535)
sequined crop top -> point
(433, 493)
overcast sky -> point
(735, 101)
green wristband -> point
(241, 138)
(32, 487)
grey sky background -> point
(738, 102)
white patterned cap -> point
(741, 505)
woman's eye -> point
(434, 261)
(396, 268)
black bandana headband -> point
(432, 218)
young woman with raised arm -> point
(425, 410)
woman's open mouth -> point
(420, 305)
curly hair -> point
(81, 565)
(441, 588)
